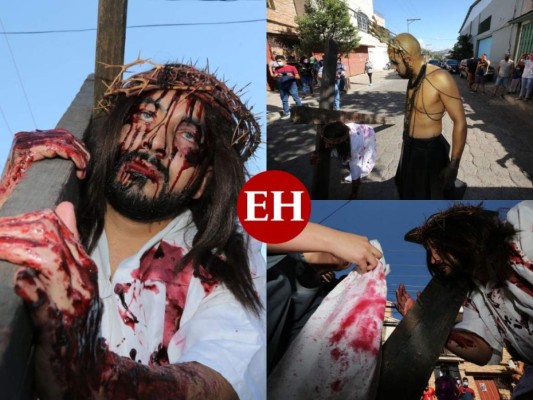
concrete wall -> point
(503, 36)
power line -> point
(130, 27)
(334, 211)
(19, 77)
(5, 120)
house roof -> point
(468, 14)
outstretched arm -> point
(58, 283)
(463, 343)
(29, 147)
(343, 245)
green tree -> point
(323, 20)
(463, 48)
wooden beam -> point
(46, 183)
(412, 350)
(320, 188)
(329, 69)
(110, 43)
(316, 116)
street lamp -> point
(410, 21)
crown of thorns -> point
(458, 214)
(186, 78)
(385, 36)
(333, 141)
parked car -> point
(463, 70)
(452, 65)
(434, 62)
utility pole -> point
(110, 43)
(410, 21)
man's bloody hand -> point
(29, 147)
(58, 281)
(404, 301)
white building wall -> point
(503, 36)
(377, 51)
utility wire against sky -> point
(20, 80)
(132, 27)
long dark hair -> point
(218, 246)
(474, 241)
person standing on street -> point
(482, 69)
(425, 170)
(445, 387)
(306, 75)
(527, 77)
(369, 69)
(504, 70)
(471, 66)
(465, 392)
(286, 75)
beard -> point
(409, 72)
(130, 200)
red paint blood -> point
(161, 265)
(335, 353)
(159, 357)
(337, 385)
(462, 340)
(360, 309)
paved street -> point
(497, 162)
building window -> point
(484, 26)
(270, 4)
(362, 21)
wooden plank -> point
(410, 353)
(329, 71)
(320, 186)
(47, 183)
(309, 115)
(110, 43)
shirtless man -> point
(425, 170)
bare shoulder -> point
(439, 77)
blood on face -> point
(168, 128)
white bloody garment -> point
(337, 353)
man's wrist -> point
(454, 163)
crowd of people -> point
(293, 77)
(511, 77)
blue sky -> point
(53, 66)
(439, 23)
(388, 221)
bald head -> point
(408, 44)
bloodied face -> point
(160, 148)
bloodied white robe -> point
(336, 355)
(362, 151)
(157, 315)
(503, 316)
